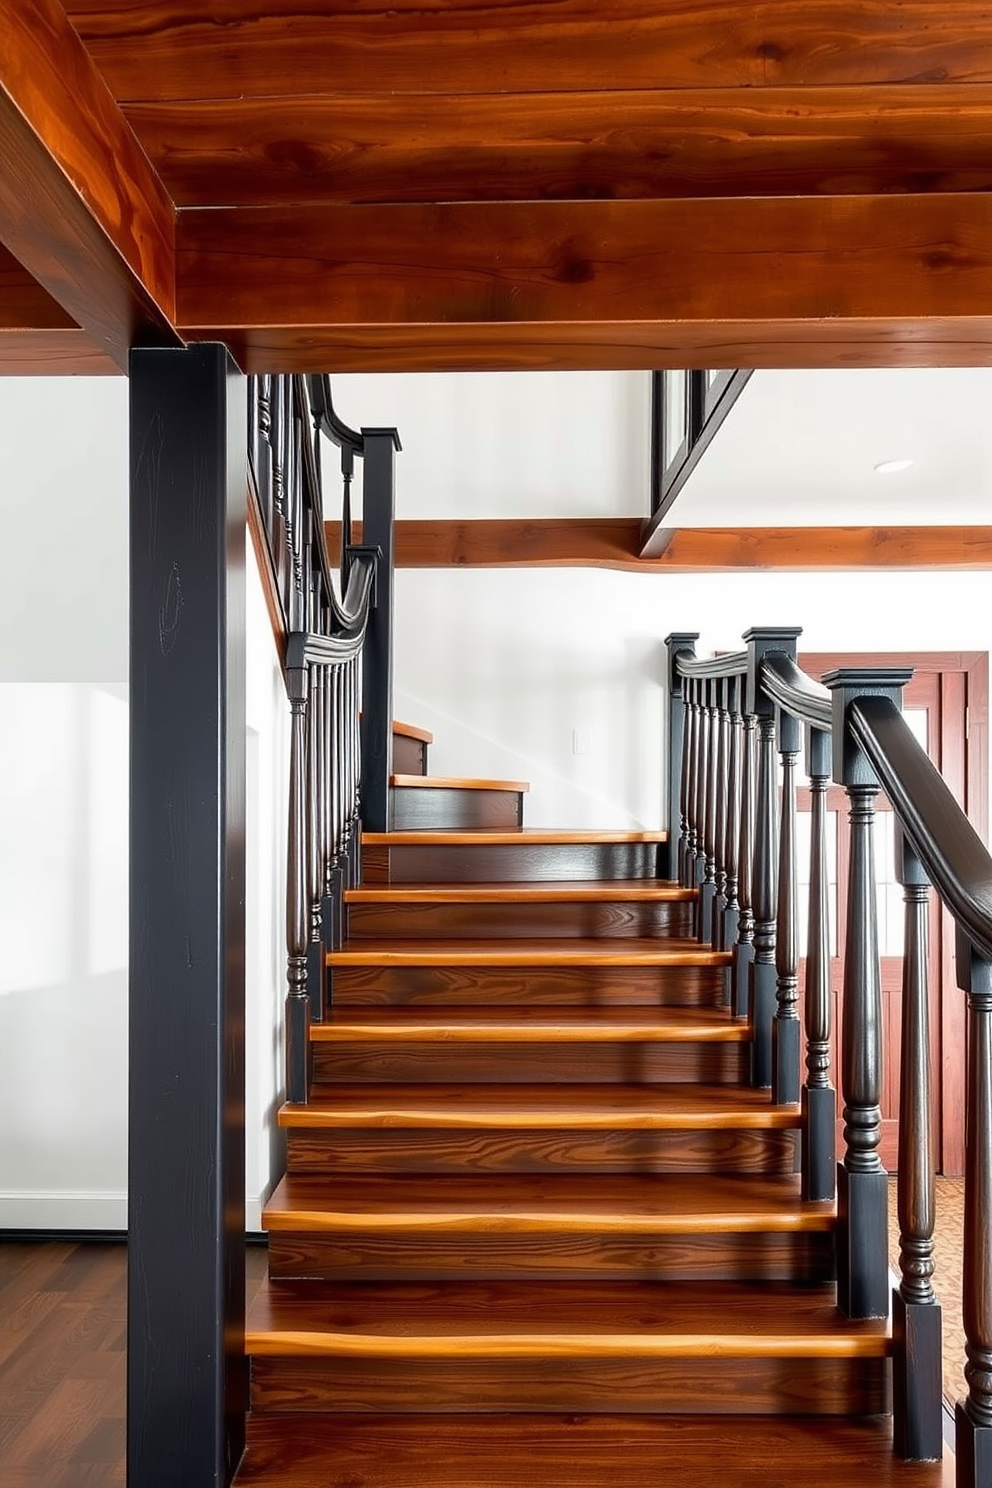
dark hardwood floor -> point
(62, 1345)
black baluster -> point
(916, 1327)
(692, 791)
(678, 644)
(315, 970)
(785, 1034)
(297, 909)
(702, 787)
(708, 891)
(819, 1100)
(743, 962)
(728, 928)
(862, 1199)
(721, 807)
(973, 1416)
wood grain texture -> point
(616, 542)
(562, 920)
(512, 857)
(581, 272)
(648, 1064)
(452, 782)
(532, 1025)
(576, 952)
(68, 353)
(80, 205)
(460, 807)
(586, 985)
(697, 141)
(24, 305)
(627, 1107)
(296, 1450)
(609, 891)
(161, 50)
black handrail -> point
(733, 664)
(796, 693)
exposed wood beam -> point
(37, 337)
(24, 305)
(170, 49)
(471, 147)
(80, 206)
(614, 542)
(814, 281)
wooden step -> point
(587, 984)
(602, 1226)
(485, 1129)
(445, 802)
(510, 856)
(410, 746)
(536, 952)
(300, 1449)
(561, 1346)
(620, 907)
(522, 1045)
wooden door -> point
(937, 703)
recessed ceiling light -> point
(893, 467)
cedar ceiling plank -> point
(80, 205)
(52, 353)
(613, 542)
(753, 282)
(233, 48)
(700, 142)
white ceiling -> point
(799, 449)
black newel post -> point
(186, 1376)
(764, 882)
(377, 693)
(862, 1238)
(785, 1034)
(916, 1362)
(678, 755)
(819, 1100)
(973, 1416)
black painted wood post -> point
(740, 971)
(703, 747)
(708, 892)
(732, 840)
(299, 1004)
(862, 1235)
(378, 498)
(722, 805)
(973, 1416)
(764, 882)
(819, 1100)
(916, 1327)
(692, 791)
(186, 1373)
(785, 1033)
(679, 643)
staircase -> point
(537, 1226)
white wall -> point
(63, 820)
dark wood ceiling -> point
(497, 183)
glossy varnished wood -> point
(447, 782)
(733, 141)
(586, 984)
(24, 304)
(636, 890)
(68, 353)
(576, 952)
(526, 837)
(641, 917)
(421, 802)
(297, 1451)
(532, 1025)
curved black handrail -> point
(790, 687)
(303, 648)
(733, 664)
(327, 419)
(956, 860)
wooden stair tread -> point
(675, 1107)
(449, 782)
(567, 891)
(411, 731)
(526, 1319)
(531, 1025)
(297, 1450)
(528, 952)
(527, 836)
(521, 1203)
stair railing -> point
(855, 734)
(337, 666)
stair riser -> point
(438, 809)
(576, 862)
(409, 755)
(405, 1255)
(658, 1387)
(510, 921)
(387, 1150)
(511, 1063)
(505, 986)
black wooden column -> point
(378, 495)
(186, 1367)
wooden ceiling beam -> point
(80, 206)
(614, 542)
(557, 146)
(816, 281)
(24, 305)
(163, 49)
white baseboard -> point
(62, 1209)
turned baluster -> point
(315, 977)
(743, 961)
(297, 906)
(692, 788)
(819, 1101)
(916, 1327)
(728, 925)
(702, 809)
(973, 1416)
(785, 1033)
(722, 806)
(862, 1239)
